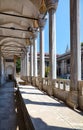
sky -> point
(63, 27)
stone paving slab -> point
(47, 113)
(7, 110)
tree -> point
(18, 65)
(81, 43)
(47, 69)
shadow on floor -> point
(41, 125)
(32, 93)
(27, 101)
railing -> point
(58, 88)
(61, 88)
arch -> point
(9, 71)
(17, 41)
(12, 47)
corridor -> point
(27, 29)
(10, 114)
(46, 113)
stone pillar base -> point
(81, 102)
(72, 100)
(60, 94)
(50, 90)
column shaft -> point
(35, 57)
(23, 67)
(75, 44)
(27, 63)
(15, 66)
(52, 43)
(31, 60)
(42, 62)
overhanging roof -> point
(18, 23)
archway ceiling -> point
(14, 33)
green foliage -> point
(47, 69)
(18, 65)
(81, 43)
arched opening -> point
(10, 72)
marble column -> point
(14, 67)
(31, 60)
(27, 61)
(51, 7)
(23, 66)
(35, 57)
(0, 66)
(42, 59)
(75, 43)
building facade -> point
(63, 65)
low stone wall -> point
(27, 120)
(59, 88)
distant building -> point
(63, 64)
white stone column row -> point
(25, 64)
(51, 7)
(29, 68)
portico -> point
(19, 27)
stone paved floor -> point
(7, 110)
(49, 114)
(10, 113)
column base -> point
(72, 100)
(50, 88)
(81, 102)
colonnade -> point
(75, 49)
(75, 66)
(51, 7)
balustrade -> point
(59, 88)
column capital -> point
(42, 22)
(34, 35)
(51, 4)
